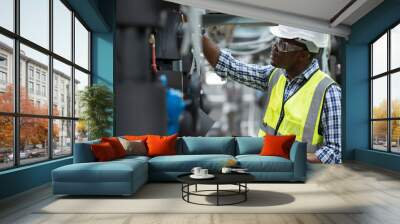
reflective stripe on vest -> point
(301, 112)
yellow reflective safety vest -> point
(300, 114)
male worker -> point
(301, 99)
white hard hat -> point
(312, 40)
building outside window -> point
(385, 95)
(38, 89)
(3, 78)
(3, 61)
(43, 77)
(55, 96)
(34, 80)
(30, 73)
(38, 75)
(3, 72)
(30, 87)
(43, 90)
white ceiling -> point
(317, 15)
(321, 9)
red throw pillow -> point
(103, 151)
(277, 145)
(116, 145)
(161, 145)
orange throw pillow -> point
(136, 137)
(103, 151)
(161, 145)
(116, 145)
(277, 145)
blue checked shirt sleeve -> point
(251, 75)
(331, 151)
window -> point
(37, 74)
(30, 72)
(33, 149)
(3, 78)
(81, 81)
(3, 72)
(385, 96)
(44, 91)
(54, 126)
(62, 74)
(30, 88)
(38, 89)
(35, 21)
(81, 45)
(6, 142)
(62, 140)
(62, 31)
(3, 61)
(7, 14)
(43, 77)
(6, 73)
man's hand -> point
(312, 158)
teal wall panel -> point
(356, 108)
(380, 159)
(103, 58)
(91, 14)
(356, 94)
(24, 178)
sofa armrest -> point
(83, 152)
(298, 155)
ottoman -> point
(119, 177)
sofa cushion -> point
(134, 147)
(103, 152)
(116, 145)
(277, 145)
(248, 145)
(185, 163)
(207, 145)
(135, 137)
(131, 158)
(161, 145)
(257, 163)
(112, 171)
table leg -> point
(245, 193)
(188, 189)
(182, 188)
(217, 194)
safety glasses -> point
(283, 46)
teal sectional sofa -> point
(125, 176)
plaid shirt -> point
(256, 76)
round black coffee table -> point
(238, 179)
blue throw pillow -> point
(208, 145)
(248, 145)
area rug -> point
(167, 198)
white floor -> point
(377, 189)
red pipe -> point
(152, 42)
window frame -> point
(388, 74)
(16, 114)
